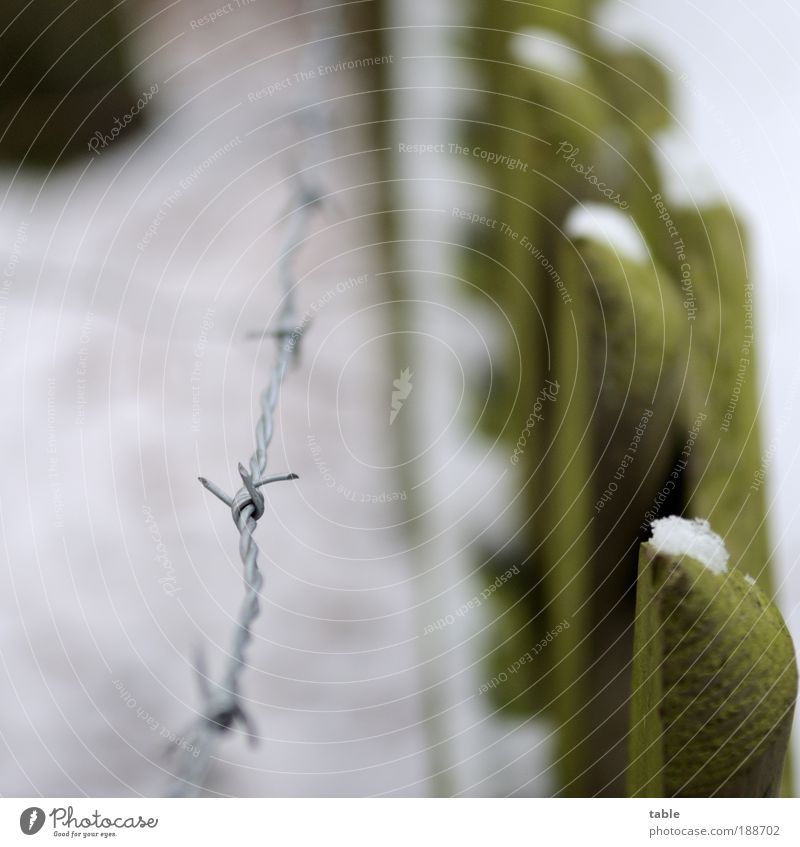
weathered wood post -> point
(650, 336)
(715, 675)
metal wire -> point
(222, 708)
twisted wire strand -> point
(222, 708)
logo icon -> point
(403, 388)
(31, 820)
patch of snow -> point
(680, 537)
(606, 224)
(547, 51)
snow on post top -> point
(544, 49)
(600, 222)
(679, 537)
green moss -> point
(726, 683)
(727, 456)
(516, 621)
(645, 748)
(635, 339)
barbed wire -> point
(222, 707)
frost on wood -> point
(676, 536)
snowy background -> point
(128, 370)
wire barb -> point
(223, 710)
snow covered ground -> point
(136, 278)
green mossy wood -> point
(657, 338)
(714, 683)
(664, 338)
